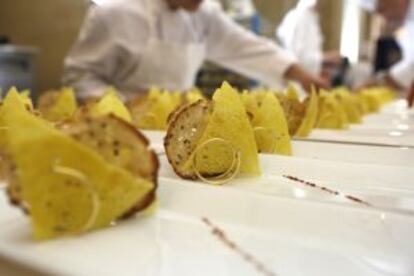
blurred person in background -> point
(134, 45)
(300, 32)
(397, 13)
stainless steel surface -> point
(17, 68)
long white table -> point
(278, 225)
(393, 126)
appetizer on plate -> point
(269, 123)
(212, 139)
(24, 98)
(78, 176)
(57, 106)
(301, 116)
(375, 97)
(350, 103)
(332, 114)
(151, 111)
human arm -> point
(235, 48)
(91, 62)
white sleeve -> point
(403, 73)
(233, 47)
(91, 62)
(303, 44)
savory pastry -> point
(151, 111)
(212, 138)
(154, 110)
(309, 121)
(332, 114)
(110, 103)
(83, 176)
(375, 97)
(57, 106)
(301, 116)
(350, 104)
(24, 98)
(268, 121)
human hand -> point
(296, 73)
(332, 57)
(382, 79)
(410, 98)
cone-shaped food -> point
(210, 138)
(270, 127)
(110, 103)
(374, 98)
(311, 115)
(350, 105)
(57, 106)
(331, 113)
(68, 186)
(193, 95)
(15, 99)
(294, 110)
(152, 110)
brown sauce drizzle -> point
(327, 190)
(249, 258)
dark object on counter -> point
(4, 40)
(16, 68)
(410, 97)
(387, 54)
(339, 78)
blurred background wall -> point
(52, 26)
(49, 25)
(273, 11)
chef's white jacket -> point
(403, 71)
(300, 32)
(115, 33)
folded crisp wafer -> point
(350, 105)
(151, 111)
(309, 120)
(375, 97)
(269, 123)
(205, 138)
(110, 103)
(57, 106)
(80, 178)
(294, 110)
(331, 113)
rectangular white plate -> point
(380, 155)
(388, 156)
(290, 237)
(367, 136)
(392, 126)
(380, 175)
(384, 187)
(290, 228)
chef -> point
(136, 44)
(300, 32)
(401, 75)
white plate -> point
(279, 222)
(380, 175)
(290, 237)
(384, 187)
(397, 107)
(367, 136)
(388, 119)
(388, 156)
(392, 126)
(291, 228)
